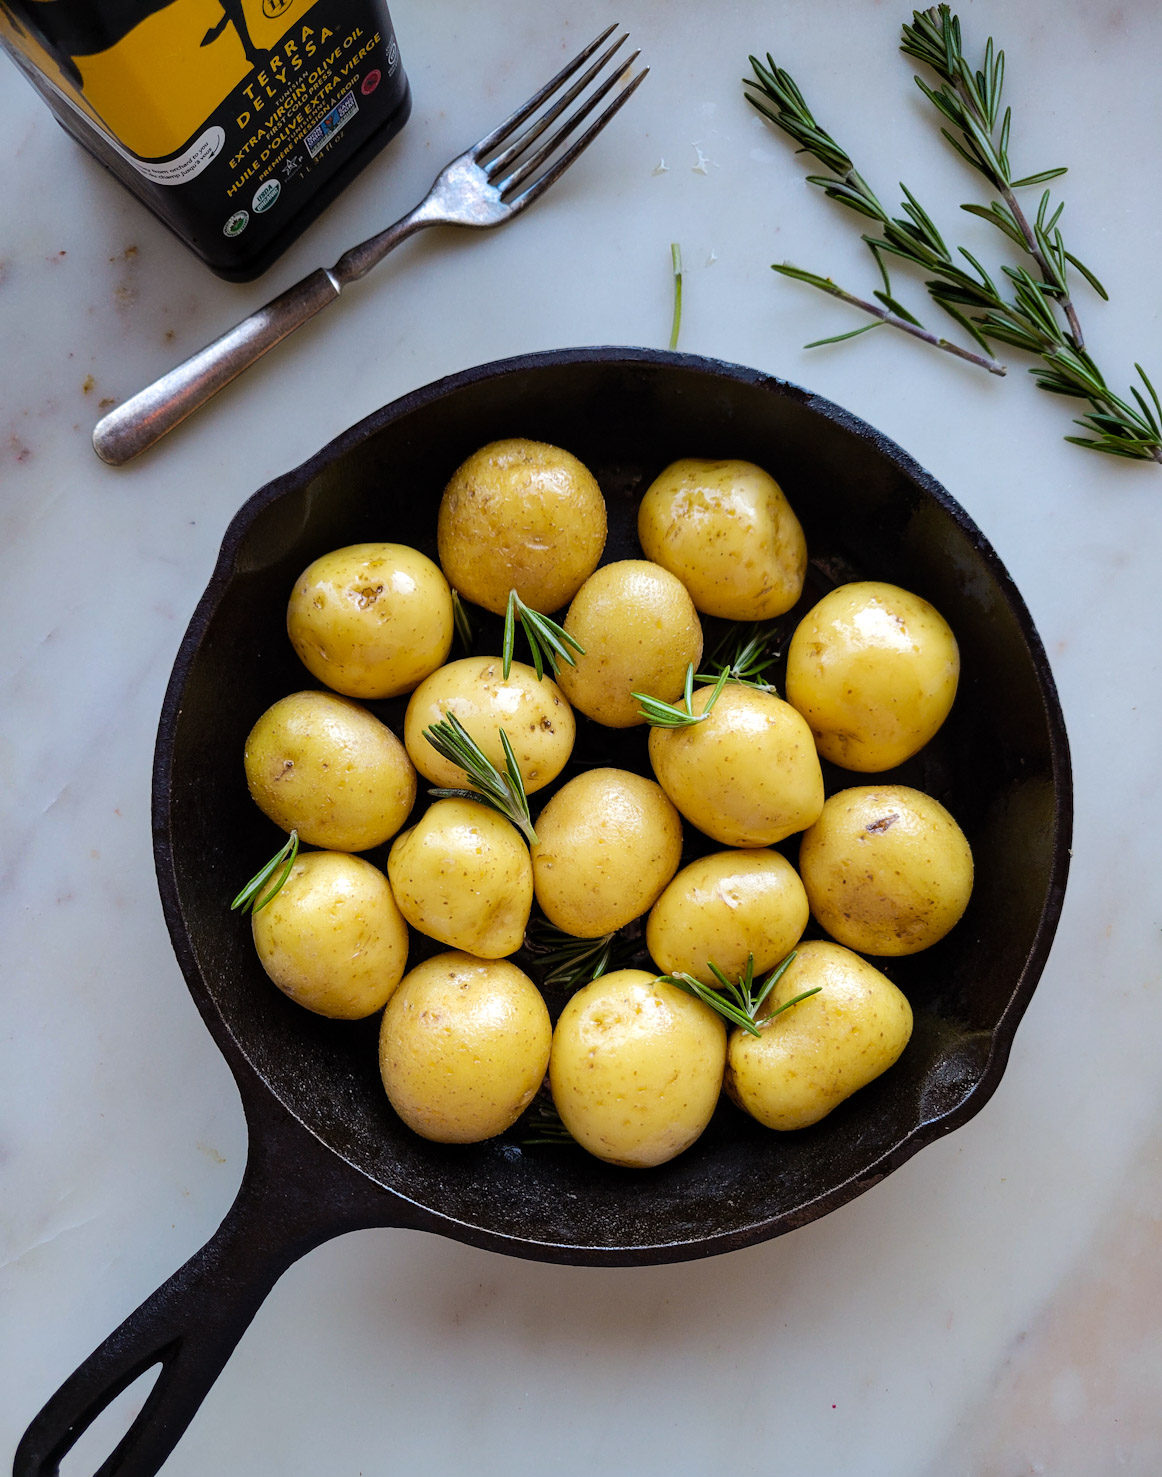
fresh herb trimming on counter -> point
(502, 792)
(1032, 311)
(252, 898)
(676, 267)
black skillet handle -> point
(289, 1201)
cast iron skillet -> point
(326, 1153)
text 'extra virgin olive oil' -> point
(235, 121)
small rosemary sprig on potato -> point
(549, 643)
(570, 962)
(746, 652)
(502, 792)
(740, 1001)
(659, 714)
(255, 895)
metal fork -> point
(488, 184)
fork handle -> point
(145, 418)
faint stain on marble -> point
(1080, 1393)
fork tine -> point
(520, 144)
(526, 110)
(551, 145)
(559, 166)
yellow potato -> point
(332, 937)
(636, 1068)
(462, 875)
(725, 908)
(463, 1047)
(323, 766)
(607, 843)
(371, 620)
(534, 714)
(748, 775)
(520, 515)
(640, 632)
(874, 671)
(887, 869)
(726, 530)
(814, 1055)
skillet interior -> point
(1000, 764)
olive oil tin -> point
(234, 121)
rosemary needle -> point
(676, 265)
(248, 900)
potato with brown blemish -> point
(371, 620)
(636, 1068)
(811, 1057)
(463, 1047)
(520, 515)
(887, 869)
(323, 766)
(726, 529)
(874, 670)
(534, 714)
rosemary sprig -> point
(740, 1001)
(746, 652)
(549, 643)
(542, 1126)
(1035, 314)
(462, 622)
(676, 264)
(252, 898)
(570, 962)
(503, 792)
(670, 715)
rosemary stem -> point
(892, 321)
(1064, 300)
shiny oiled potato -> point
(808, 1059)
(874, 670)
(462, 875)
(887, 869)
(332, 937)
(747, 775)
(607, 843)
(534, 714)
(520, 515)
(726, 530)
(371, 620)
(639, 630)
(636, 1068)
(323, 766)
(463, 1047)
(725, 908)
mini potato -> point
(725, 908)
(521, 515)
(607, 843)
(463, 1047)
(874, 671)
(748, 775)
(726, 530)
(811, 1057)
(887, 870)
(462, 876)
(323, 766)
(636, 1068)
(371, 620)
(640, 631)
(535, 716)
(332, 938)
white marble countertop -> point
(990, 1309)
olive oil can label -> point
(229, 111)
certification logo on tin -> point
(266, 194)
(237, 223)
